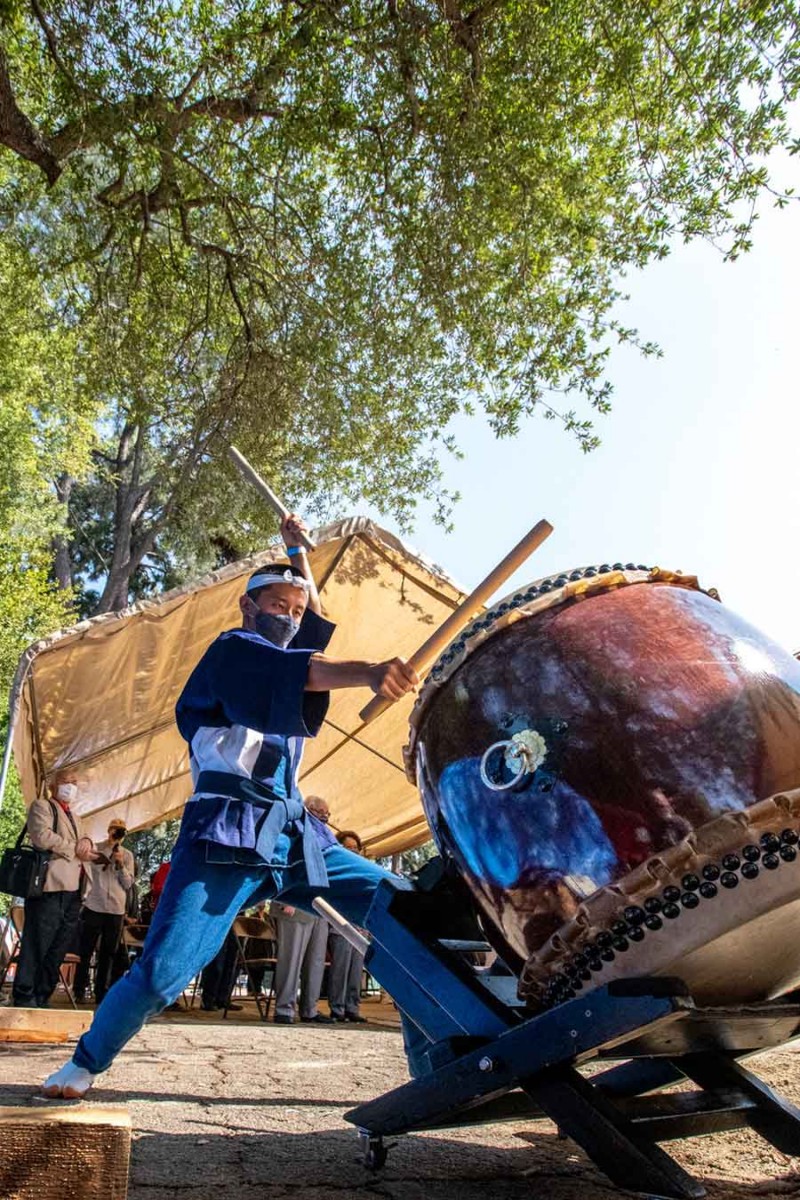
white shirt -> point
(108, 884)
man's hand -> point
(393, 679)
(292, 529)
(294, 532)
(116, 857)
(85, 851)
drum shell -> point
(660, 711)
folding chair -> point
(133, 938)
(370, 988)
(66, 973)
(194, 984)
(10, 942)
(247, 930)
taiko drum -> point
(611, 759)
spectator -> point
(132, 919)
(151, 899)
(51, 919)
(302, 941)
(347, 963)
(159, 880)
(218, 977)
(110, 878)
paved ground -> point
(254, 1112)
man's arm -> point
(391, 679)
(41, 833)
(291, 528)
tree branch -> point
(228, 258)
(231, 282)
(18, 132)
(467, 29)
(236, 109)
(104, 120)
(482, 11)
(407, 69)
(52, 45)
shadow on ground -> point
(437, 1166)
(224, 1113)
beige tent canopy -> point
(100, 697)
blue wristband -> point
(293, 551)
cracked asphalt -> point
(255, 1111)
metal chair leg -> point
(66, 987)
(13, 952)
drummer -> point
(255, 695)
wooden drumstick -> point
(423, 659)
(340, 924)
(265, 490)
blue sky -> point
(698, 469)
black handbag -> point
(23, 869)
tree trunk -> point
(62, 563)
(135, 535)
(115, 593)
(126, 483)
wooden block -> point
(58, 1152)
(43, 1024)
(31, 1035)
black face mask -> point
(277, 628)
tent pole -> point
(6, 761)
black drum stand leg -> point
(489, 1059)
(774, 1118)
(631, 1161)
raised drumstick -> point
(264, 490)
(423, 659)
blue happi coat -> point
(245, 712)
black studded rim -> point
(525, 596)
(634, 922)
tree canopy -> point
(320, 229)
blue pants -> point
(197, 908)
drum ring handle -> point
(520, 753)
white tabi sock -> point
(70, 1081)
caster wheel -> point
(373, 1150)
(375, 1158)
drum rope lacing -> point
(637, 920)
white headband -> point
(265, 578)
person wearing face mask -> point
(103, 912)
(247, 707)
(51, 919)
